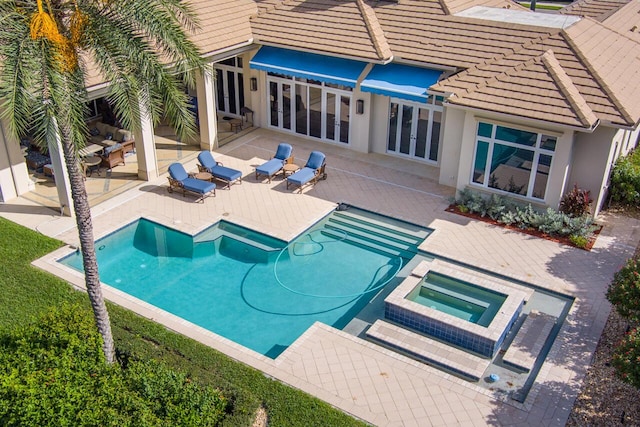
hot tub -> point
(457, 305)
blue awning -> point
(308, 65)
(401, 81)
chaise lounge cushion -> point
(303, 176)
(177, 172)
(223, 173)
(273, 166)
(270, 168)
(313, 170)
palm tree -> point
(47, 49)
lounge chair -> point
(209, 164)
(179, 179)
(311, 172)
(272, 167)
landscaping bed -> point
(565, 240)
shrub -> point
(624, 290)
(502, 210)
(626, 358)
(578, 241)
(53, 373)
(576, 202)
(625, 179)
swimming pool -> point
(253, 289)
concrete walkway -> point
(357, 376)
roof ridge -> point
(269, 8)
(578, 104)
(375, 30)
(511, 51)
(568, 89)
(445, 7)
(596, 76)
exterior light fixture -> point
(253, 84)
(360, 106)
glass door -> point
(229, 86)
(280, 104)
(336, 116)
(309, 108)
(414, 130)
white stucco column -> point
(206, 90)
(146, 147)
(14, 176)
(360, 123)
(63, 185)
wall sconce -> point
(360, 106)
(253, 84)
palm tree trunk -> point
(87, 245)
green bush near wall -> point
(625, 180)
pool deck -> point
(357, 376)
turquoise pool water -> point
(223, 279)
(457, 298)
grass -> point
(26, 292)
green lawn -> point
(26, 292)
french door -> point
(414, 130)
(308, 109)
(229, 86)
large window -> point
(512, 160)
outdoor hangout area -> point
(382, 186)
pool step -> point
(429, 350)
(376, 246)
(376, 240)
(398, 227)
(528, 342)
(372, 230)
(394, 237)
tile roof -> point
(455, 6)
(596, 9)
(415, 34)
(565, 78)
(537, 87)
(569, 76)
(223, 23)
(626, 20)
(341, 28)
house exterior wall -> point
(451, 147)
(459, 140)
(594, 155)
(379, 123)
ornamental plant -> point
(576, 203)
(624, 291)
(626, 358)
(551, 222)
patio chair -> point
(209, 164)
(272, 167)
(179, 179)
(311, 172)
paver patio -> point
(362, 378)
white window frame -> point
(536, 149)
